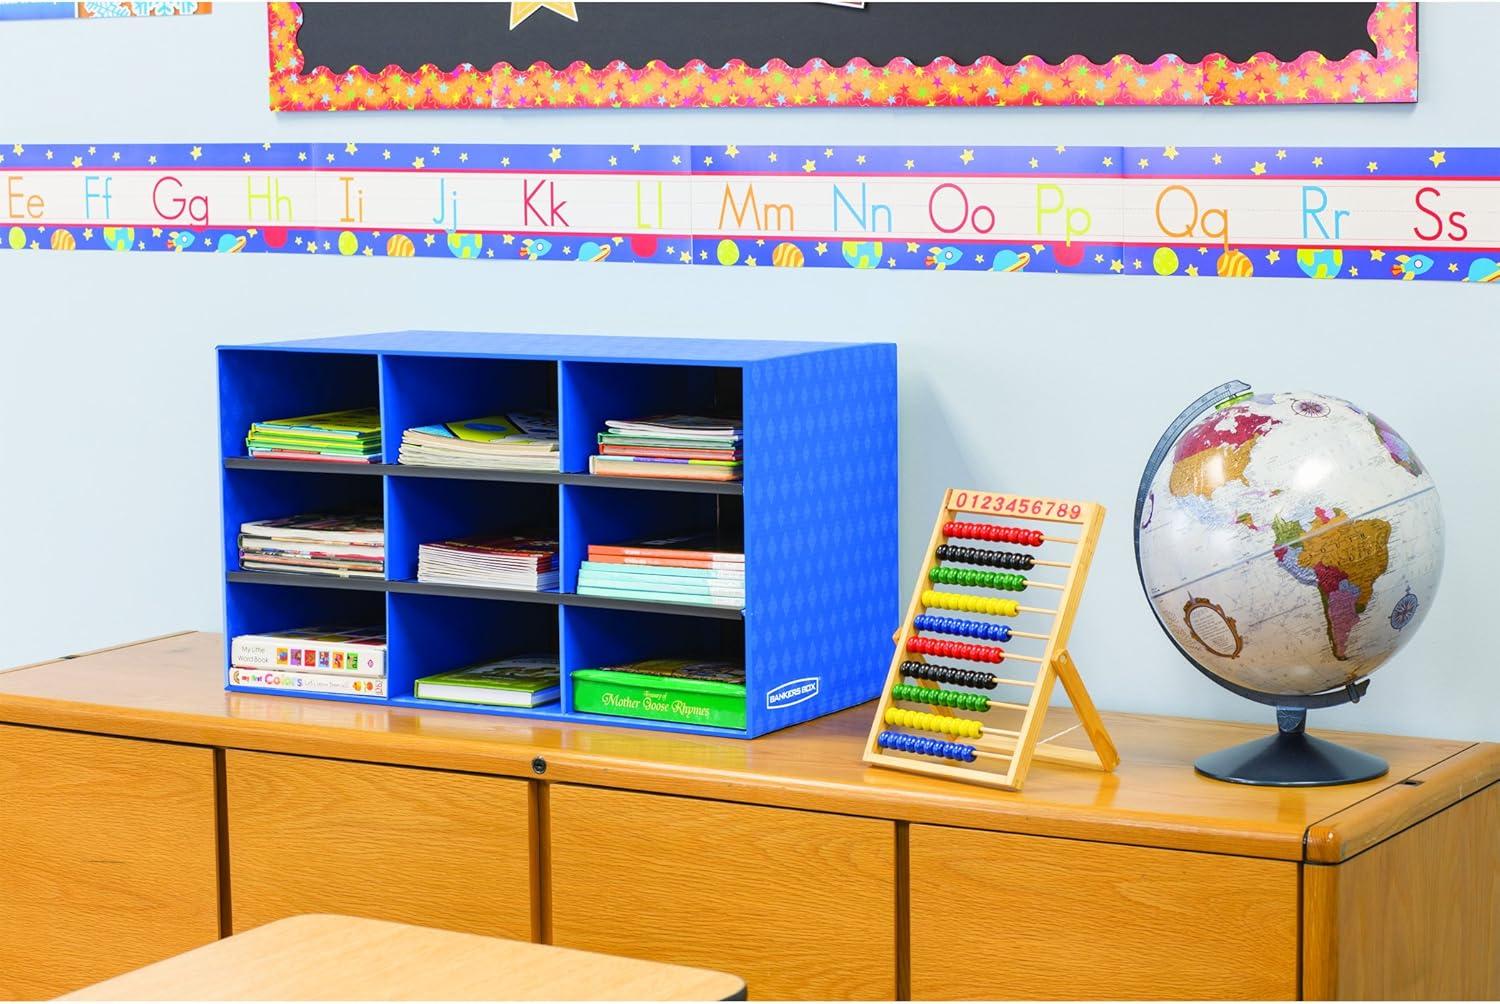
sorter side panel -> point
(821, 531)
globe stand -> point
(1291, 759)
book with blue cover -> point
(520, 441)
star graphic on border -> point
(521, 11)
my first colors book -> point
(523, 681)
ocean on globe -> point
(1290, 543)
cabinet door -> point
(110, 857)
(797, 904)
(424, 847)
(997, 915)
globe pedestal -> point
(1291, 759)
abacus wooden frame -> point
(1056, 665)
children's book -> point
(519, 682)
(679, 426)
(307, 683)
(648, 596)
(641, 467)
(669, 588)
(673, 690)
(714, 547)
(352, 423)
(725, 573)
(618, 439)
(491, 433)
(342, 651)
(688, 453)
(358, 528)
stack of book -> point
(703, 568)
(352, 546)
(528, 563)
(312, 660)
(671, 446)
(669, 690)
(515, 442)
(351, 437)
(523, 681)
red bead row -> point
(918, 645)
(989, 531)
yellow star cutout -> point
(418, 163)
(750, 261)
(301, 154)
(1109, 162)
(554, 155)
(1060, 148)
(1353, 270)
(890, 262)
(1317, 162)
(967, 157)
(156, 231)
(910, 164)
(245, 158)
(385, 155)
(88, 234)
(196, 152)
(1038, 248)
(508, 238)
(618, 240)
(351, 148)
(1136, 264)
(463, 158)
(1116, 265)
(49, 154)
(18, 149)
(1281, 155)
(1453, 266)
(1143, 163)
(676, 159)
(1098, 259)
(77, 161)
(1170, 153)
(731, 151)
(1192, 270)
(809, 166)
(521, 11)
(1272, 257)
(911, 247)
(685, 258)
(1032, 162)
(821, 247)
(708, 160)
(1372, 166)
(436, 150)
(1258, 168)
(1377, 255)
(151, 159)
(428, 240)
(504, 161)
(1438, 158)
(266, 145)
(1218, 159)
(368, 252)
(860, 159)
(771, 156)
(828, 151)
(115, 155)
(614, 161)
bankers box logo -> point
(792, 692)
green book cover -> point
(520, 681)
(670, 690)
(351, 423)
(606, 438)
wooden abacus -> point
(993, 755)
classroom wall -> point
(1034, 383)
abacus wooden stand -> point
(144, 812)
(1017, 748)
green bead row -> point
(940, 698)
(974, 577)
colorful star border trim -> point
(1389, 76)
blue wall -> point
(1047, 384)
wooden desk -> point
(157, 812)
(320, 957)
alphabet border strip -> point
(1390, 75)
(1235, 212)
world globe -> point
(1289, 544)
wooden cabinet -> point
(110, 857)
(434, 848)
(798, 904)
(997, 915)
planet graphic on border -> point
(16, 238)
(348, 244)
(1320, 263)
(727, 253)
(400, 246)
(862, 254)
(63, 240)
(1165, 262)
(787, 255)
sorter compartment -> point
(603, 638)
(595, 514)
(427, 390)
(593, 393)
(251, 495)
(425, 510)
(257, 385)
(256, 608)
(436, 634)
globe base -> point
(1291, 759)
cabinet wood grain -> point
(996, 915)
(110, 857)
(798, 904)
(422, 847)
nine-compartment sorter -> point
(817, 508)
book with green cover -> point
(701, 692)
(351, 423)
(522, 681)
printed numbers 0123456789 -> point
(980, 502)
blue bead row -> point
(957, 625)
(927, 747)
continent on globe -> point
(1342, 557)
(1397, 447)
(1217, 450)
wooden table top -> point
(323, 957)
(172, 689)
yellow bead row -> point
(928, 722)
(970, 604)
